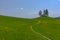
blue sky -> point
(29, 8)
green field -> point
(41, 28)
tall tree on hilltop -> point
(45, 13)
(40, 13)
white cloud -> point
(21, 8)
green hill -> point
(41, 28)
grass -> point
(12, 28)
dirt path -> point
(39, 33)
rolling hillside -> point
(41, 28)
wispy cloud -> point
(21, 8)
(54, 13)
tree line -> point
(44, 13)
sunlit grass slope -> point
(12, 28)
(49, 27)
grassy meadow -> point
(12, 28)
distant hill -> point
(58, 17)
(41, 28)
